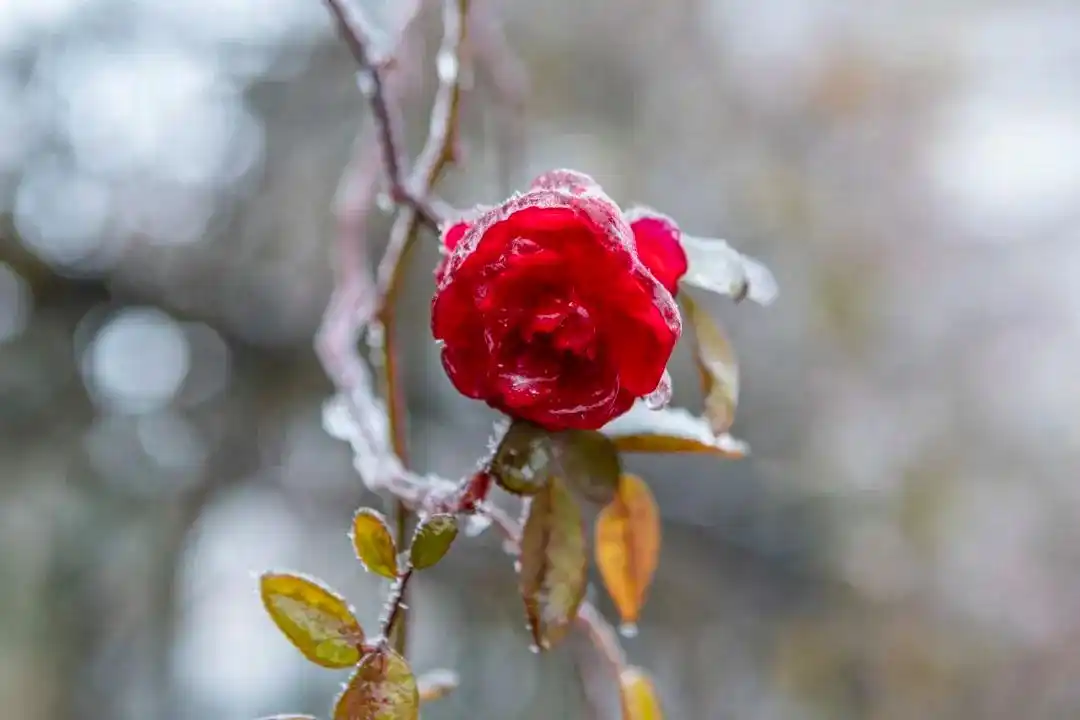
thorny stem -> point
(396, 604)
(357, 300)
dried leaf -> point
(383, 688)
(553, 563)
(529, 456)
(317, 621)
(374, 544)
(639, 699)
(717, 267)
(672, 430)
(719, 370)
(628, 546)
(432, 540)
(436, 684)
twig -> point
(357, 36)
(434, 158)
(355, 414)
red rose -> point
(557, 308)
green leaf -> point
(317, 621)
(529, 456)
(589, 462)
(717, 365)
(374, 544)
(383, 688)
(671, 430)
(553, 563)
(432, 540)
(523, 461)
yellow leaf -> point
(718, 367)
(383, 688)
(553, 563)
(432, 540)
(317, 621)
(639, 700)
(373, 543)
(628, 546)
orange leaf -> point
(383, 688)
(639, 700)
(317, 621)
(373, 543)
(628, 546)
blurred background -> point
(903, 543)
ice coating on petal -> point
(563, 179)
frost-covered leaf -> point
(628, 546)
(672, 430)
(523, 461)
(589, 462)
(436, 684)
(553, 563)
(432, 540)
(317, 621)
(639, 699)
(383, 688)
(719, 369)
(529, 456)
(717, 267)
(374, 544)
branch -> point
(356, 33)
(355, 414)
(434, 158)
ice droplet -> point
(534, 649)
(366, 83)
(476, 524)
(384, 202)
(376, 336)
(446, 65)
(660, 398)
(628, 630)
(517, 566)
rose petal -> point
(659, 246)
(452, 234)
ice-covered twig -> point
(356, 33)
